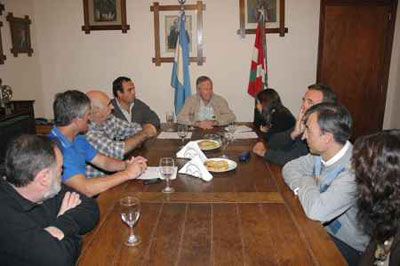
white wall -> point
(22, 73)
(67, 58)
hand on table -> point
(260, 149)
(149, 130)
(135, 166)
(206, 124)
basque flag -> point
(258, 71)
(180, 79)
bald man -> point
(110, 135)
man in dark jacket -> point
(288, 145)
(128, 107)
(42, 222)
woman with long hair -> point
(272, 116)
(376, 161)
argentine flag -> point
(180, 79)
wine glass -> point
(167, 169)
(169, 118)
(130, 214)
(182, 133)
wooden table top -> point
(246, 216)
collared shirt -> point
(23, 240)
(206, 112)
(338, 155)
(107, 138)
(75, 153)
(126, 113)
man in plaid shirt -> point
(110, 135)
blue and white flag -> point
(180, 79)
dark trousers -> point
(351, 255)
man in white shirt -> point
(324, 180)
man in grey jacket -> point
(324, 180)
(205, 109)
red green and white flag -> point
(258, 71)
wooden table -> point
(243, 217)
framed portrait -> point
(104, 15)
(20, 35)
(274, 21)
(166, 31)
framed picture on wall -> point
(166, 31)
(104, 15)
(275, 16)
(20, 35)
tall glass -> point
(226, 139)
(169, 118)
(182, 133)
(192, 119)
(130, 214)
(167, 168)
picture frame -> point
(20, 35)
(165, 37)
(248, 22)
(104, 15)
(2, 55)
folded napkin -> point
(195, 167)
(245, 135)
(172, 135)
(241, 129)
(154, 172)
(191, 150)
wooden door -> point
(355, 45)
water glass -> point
(130, 214)
(226, 139)
(167, 169)
(192, 121)
(169, 118)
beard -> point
(53, 190)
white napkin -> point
(195, 167)
(241, 129)
(190, 151)
(172, 135)
(154, 172)
(245, 135)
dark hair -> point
(69, 105)
(26, 156)
(202, 79)
(327, 93)
(332, 118)
(117, 85)
(270, 102)
(376, 161)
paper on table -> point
(190, 151)
(241, 129)
(195, 167)
(245, 135)
(154, 172)
(172, 135)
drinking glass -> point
(130, 213)
(182, 133)
(226, 139)
(192, 119)
(167, 170)
(169, 118)
(231, 128)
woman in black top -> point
(272, 117)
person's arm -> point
(108, 163)
(281, 140)
(183, 116)
(282, 156)
(337, 199)
(296, 171)
(93, 186)
(148, 115)
(225, 114)
(147, 132)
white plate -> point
(208, 148)
(231, 165)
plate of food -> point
(208, 144)
(219, 165)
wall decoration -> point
(248, 16)
(20, 35)
(165, 31)
(104, 15)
